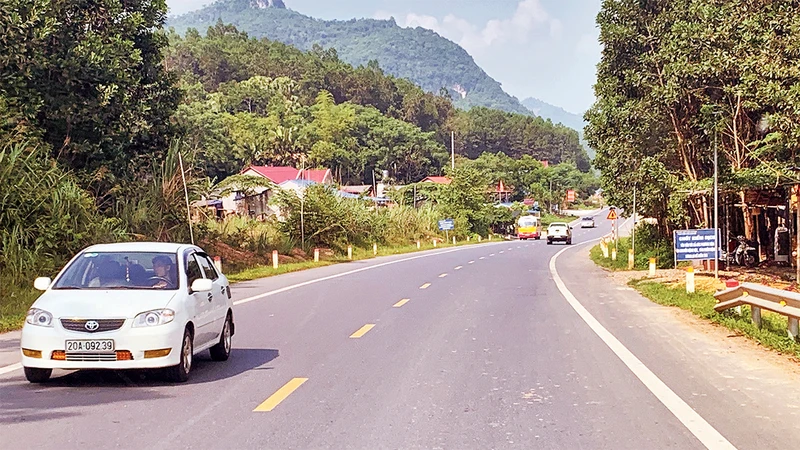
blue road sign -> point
(447, 224)
(693, 245)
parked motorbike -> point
(744, 255)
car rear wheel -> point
(180, 372)
(549, 242)
(36, 375)
(222, 350)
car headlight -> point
(154, 318)
(39, 317)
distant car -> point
(129, 306)
(587, 222)
(559, 231)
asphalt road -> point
(474, 347)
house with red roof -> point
(437, 180)
(256, 204)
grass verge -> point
(772, 334)
(358, 254)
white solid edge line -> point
(10, 368)
(343, 274)
(695, 423)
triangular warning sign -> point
(612, 215)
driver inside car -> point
(162, 266)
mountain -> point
(559, 115)
(417, 54)
(555, 114)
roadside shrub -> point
(45, 217)
(651, 244)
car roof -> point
(158, 247)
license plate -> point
(90, 346)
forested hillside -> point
(419, 55)
(261, 101)
(559, 115)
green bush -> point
(329, 220)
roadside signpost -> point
(446, 225)
(570, 196)
(696, 245)
(612, 216)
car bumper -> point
(587, 225)
(535, 235)
(134, 340)
(557, 238)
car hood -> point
(102, 303)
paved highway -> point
(493, 346)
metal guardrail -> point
(760, 297)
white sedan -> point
(129, 306)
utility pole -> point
(716, 209)
(302, 202)
(633, 231)
(453, 150)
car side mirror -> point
(42, 283)
(202, 285)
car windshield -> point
(121, 270)
(527, 222)
(558, 224)
(588, 218)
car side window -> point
(208, 267)
(192, 269)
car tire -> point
(180, 372)
(222, 351)
(36, 375)
(569, 242)
(549, 242)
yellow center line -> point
(471, 262)
(362, 331)
(425, 286)
(492, 254)
(482, 257)
(502, 251)
(401, 303)
(459, 267)
(442, 275)
(280, 395)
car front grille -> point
(91, 357)
(103, 325)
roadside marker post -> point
(690, 288)
(480, 238)
(316, 255)
(350, 252)
(375, 249)
(652, 267)
(218, 263)
(419, 245)
(630, 259)
(274, 259)
(454, 240)
(614, 253)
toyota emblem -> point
(92, 325)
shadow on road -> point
(63, 396)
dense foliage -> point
(260, 101)
(676, 74)
(417, 54)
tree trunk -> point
(748, 220)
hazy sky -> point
(535, 48)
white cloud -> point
(529, 17)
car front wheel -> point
(222, 350)
(180, 372)
(36, 375)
